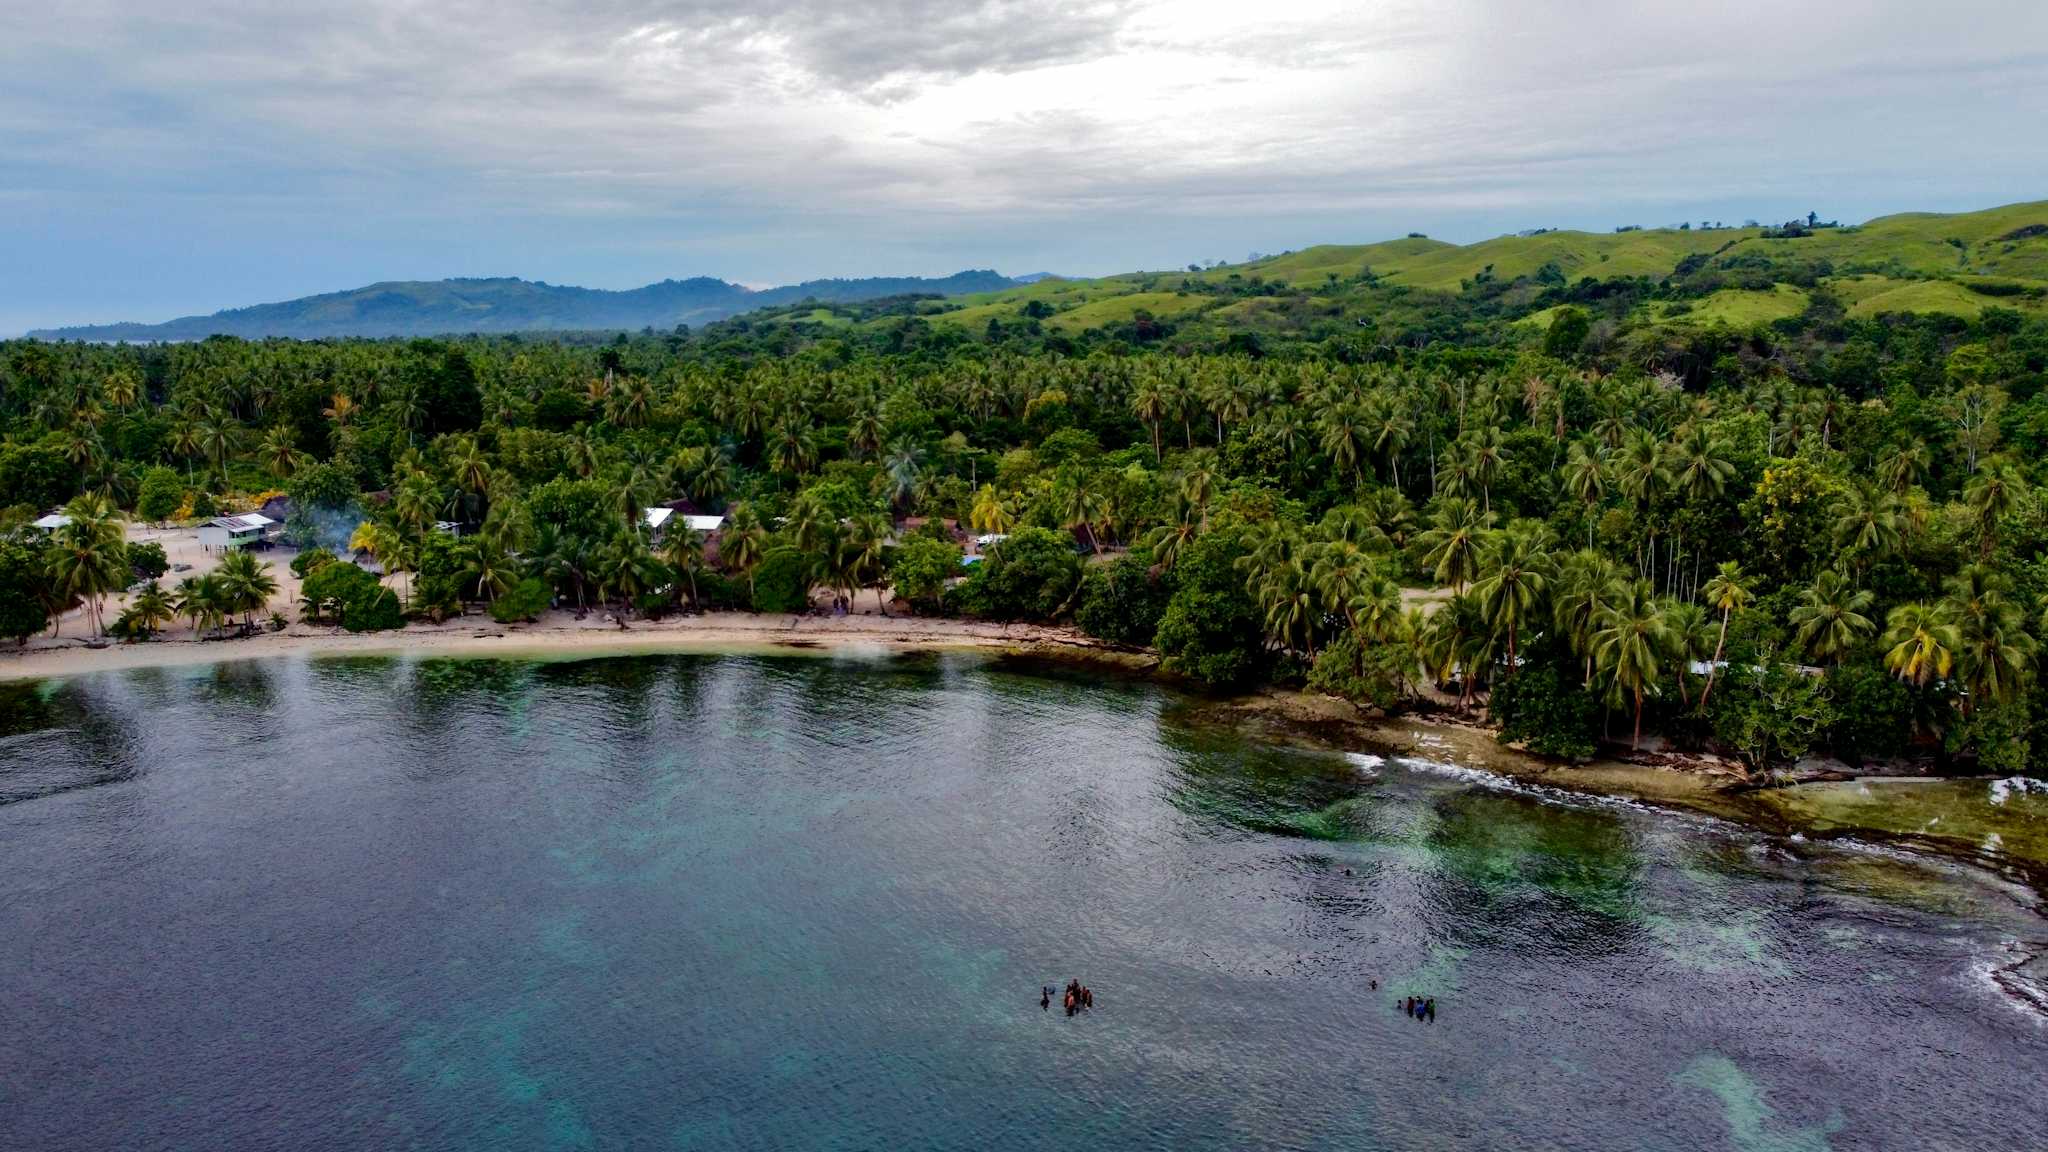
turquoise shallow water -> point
(740, 902)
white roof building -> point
(657, 519)
(52, 522)
(235, 531)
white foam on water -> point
(1365, 762)
(2002, 789)
(2004, 973)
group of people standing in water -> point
(1420, 1007)
(1076, 998)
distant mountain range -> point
(506, 304)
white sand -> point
(557, 632)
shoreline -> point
(560, 634)
(1905, 811)
(1961, 819)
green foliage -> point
(147, 559)
(1771, 715)
(24, 586)
(525, 600)
(310, 560)
(161, 493)
(1211, 632)
(1568, 329)
(1031, 575)
(1545, 708)
(579, 507)
(1998, 733)
(371, 608)
(327, 486)
(1380, 675)
(437, 577)
(1124, 600)
(920, 569)
(782, 584)
(328, 589)
(36, 474)
(1873, 713)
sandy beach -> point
(557, 634)
(74, 651)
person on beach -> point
(1429, 1009)
(1045, 999)
(1087, 997)
(1408, 1008)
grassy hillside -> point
(1679, 279)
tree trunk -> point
(1636, 742)
(1716, 665)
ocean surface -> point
(746, 902)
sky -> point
(164, 159)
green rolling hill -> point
(1922, 262)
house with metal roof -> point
(228, 533)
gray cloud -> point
(732, 123)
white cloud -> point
(911, 118)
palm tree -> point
(1829, 619)
(205, 601)
(794, 447)
(341, 409)
(1392, 428)
(1453, 541)
(1179, 529)
(1906, 466)
(864, 429)
(246, 585)
(1343, 430)
(1993, 494)
(472, 472)
(1488, 454)
(153, 608)
(1630, 642)
(1686, 623)
(991, 513)
(217, 438)
(279, 451)
(1391, 513)
(1081, 506)
(683, 551)
(902, 471)
(1149, 405)
(88, 558)
(1869, 520)
(1291, 607)
(190, 601)
(864, 540)
(1517, 567)
(1700, 468)
(1727, 592)
(384, 545)
(1996, 652)
(1642, 476)
(488, 566)
(1585, 479)
(1922, 640)
(743, 543)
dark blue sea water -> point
(767, 903)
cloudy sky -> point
(159, 159)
